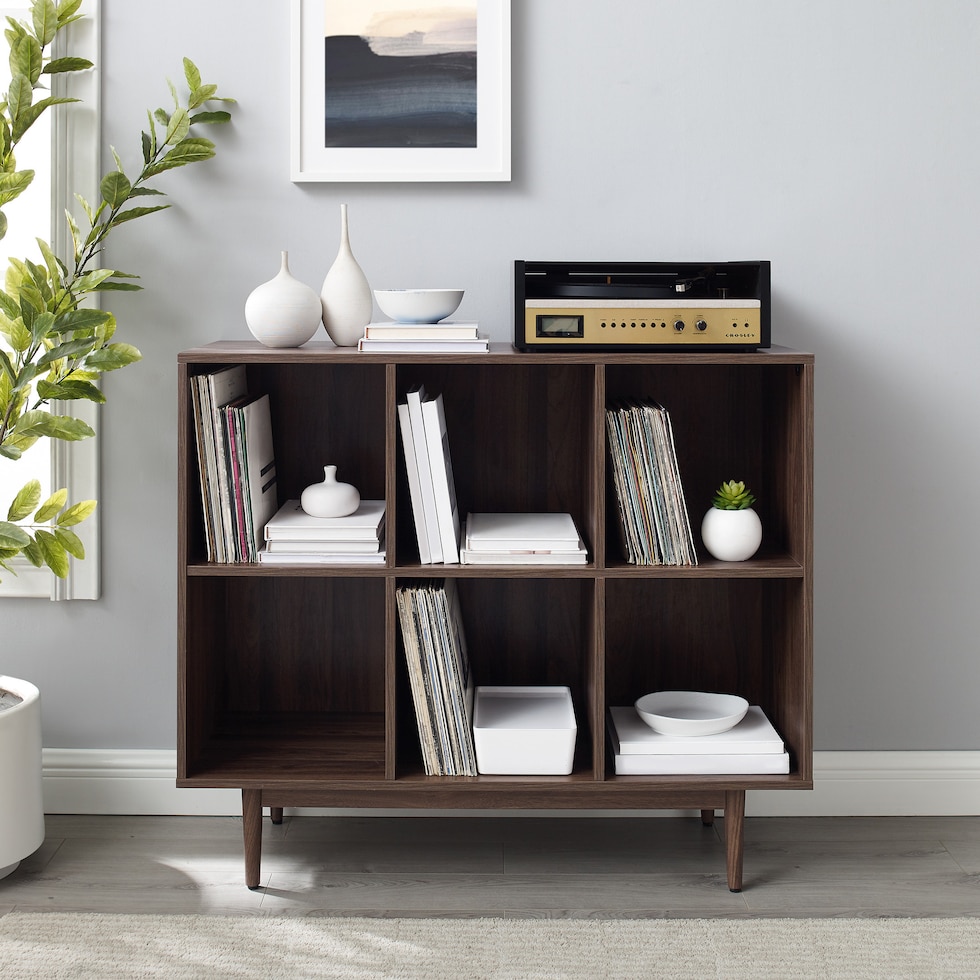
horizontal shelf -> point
(778, 567)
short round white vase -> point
(330, 498)
(283, 312)
(21, 803)
(731, 535)
(346, 296)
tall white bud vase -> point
(346, 295)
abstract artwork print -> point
(400, 73)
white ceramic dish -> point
(691, 712)
(418, 305)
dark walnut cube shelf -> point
(292, 681)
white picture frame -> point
(488, 158)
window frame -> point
(75, 168)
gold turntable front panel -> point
(612, 323)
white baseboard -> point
(125, 781)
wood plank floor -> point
(613, 867)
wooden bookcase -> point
(292, 681)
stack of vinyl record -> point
(654, 524)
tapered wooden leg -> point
(275, 814)
(734, 836)
(708, 817)
(252, 832)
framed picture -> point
(400, 90)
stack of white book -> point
(425, 440)
(292, 537)
(522, 539)
(753, 746)
(445, 337)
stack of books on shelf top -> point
(236, 463)
(439, 675)
(444, 337)
(292, 537)
(425, 441)
(753, 746)
(653, 519)
(522, 539)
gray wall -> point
(838, 139)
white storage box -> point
(524, 731)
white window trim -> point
(75, 145)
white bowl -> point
(418, 305)
(691, 712)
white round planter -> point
(21, 804)
(731, 535)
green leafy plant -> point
(54, 343)
(732, 496)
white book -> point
(443, 484)
(323, 547)
(631, 735)
(414, 487)
(292, 523)
(414, 399)
(547, 533)
(444, 330)
(759, 763)
(467, 557)
(478, 345)
(271, 558)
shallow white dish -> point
(418, 305)
(691, 712)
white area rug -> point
(75, 945)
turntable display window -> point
(560, 325)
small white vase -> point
(283, 312)
(731, 535)
(346, 295)
(330, 498)
(21, 802)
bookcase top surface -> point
(324, 352)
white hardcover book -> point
(631, 735)
(522, 533)
(443, 484)
(292, 523)
(478, 345)
(267, 557)
(414, 399)
(280, 547)
(443, 330)
(414, 486)
(760, 763)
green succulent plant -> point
(54, 343)
(732, 496)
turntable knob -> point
(678, 325)
(701, 326)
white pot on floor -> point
(21, 804)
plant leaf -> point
(53, 552)
(12, 185)
(178, 127)
(26, 57)
(70, 348)
(136, 213)
(57, 65)
(216, 116)
(33, 553)
(70, 390)
(191, 150)
(77, 513)
(13, 537)
(45, 16)
(191, 75)
(112, 357)
(52, 505)
(37, 423)
(71, 542)
(27, 499)
(115, 188)
(81, 320)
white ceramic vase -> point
(21, 803)
(283, 312)
(345, 296)
(731, 535)
(330, 498)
